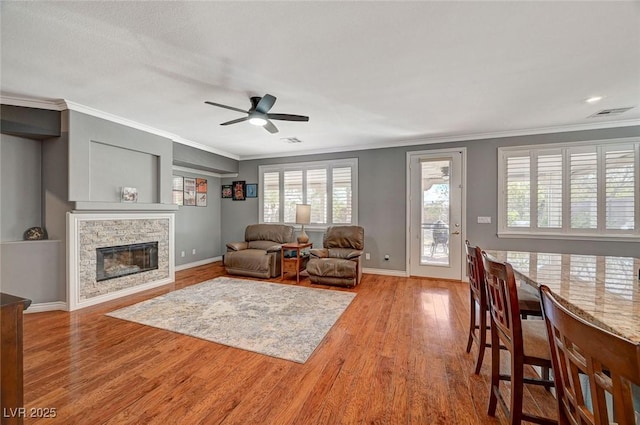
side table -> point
(297, 247)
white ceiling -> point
(368, 74)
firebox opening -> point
(123, 260)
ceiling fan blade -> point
(235, 121)
(226, 107)
(270, 127)
(265, 103)
(287, 117)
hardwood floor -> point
(396, 356)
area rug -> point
(278, 320)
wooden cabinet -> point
(11, 397)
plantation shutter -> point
(518, 191)
(341, 195)
(619, 188)
(583, 186)
(292, 194)
(271, 197)
(317, 195)
(550, 191)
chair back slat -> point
(611, 364)
(502, 300)
(475, 271)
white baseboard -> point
(51, 306)
(399, 273)
(198, 263)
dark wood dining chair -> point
(526, 341)
(529, 303)
(611, 363)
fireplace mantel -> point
(90, 231)
(122, 206)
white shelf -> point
(122, 206)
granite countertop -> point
(603, 290)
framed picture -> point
(201, 185)
(178, 190)
(178, 183)
(252, 190)
(178, 197)
(239, 191)
(129, 194)
(227, 191)
(201, 199)
(189, 191)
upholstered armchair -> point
(259, 254)
(338, 263)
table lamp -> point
(303, 216)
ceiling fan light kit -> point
(259, 114)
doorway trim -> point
(463, 202)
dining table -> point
(603, 290)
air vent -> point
(291, 140)
(609, 112)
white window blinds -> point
(586, 189)
(330, 187)
(271, 197)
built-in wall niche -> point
(114, 167)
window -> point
(329, 186)
(582, 190)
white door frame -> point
(463, 202)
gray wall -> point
(382, 198)
(381, 207)
(20, 186)
(104, 156)
(31, 269)
(187, 156)
(199, 227)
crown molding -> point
(134, 124)
(49, 104)
(62, 104)
(429, 140)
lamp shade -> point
(303, 213)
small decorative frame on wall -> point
(252, 190)
(239, 190)
(201, 199)
(178, 190)
(129, 194)
(227, 191)
(189, 191)
(201, 185)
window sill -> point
(572, 237)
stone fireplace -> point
(113, 255)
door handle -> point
(457, 232)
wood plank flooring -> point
(396, 356)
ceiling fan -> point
(259, 114)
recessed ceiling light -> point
(594, 99)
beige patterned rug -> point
(283, 321)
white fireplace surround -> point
(87, 232)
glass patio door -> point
(435, 210)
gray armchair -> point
(259, 254)
(338, 263)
